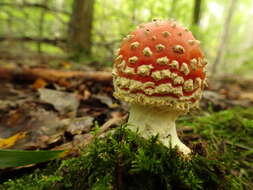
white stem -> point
(150, 121)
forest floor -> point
(47, 109)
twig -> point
(116, 119)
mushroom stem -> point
(150, 121)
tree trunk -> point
(196, 12)
(41, 25)
(80, 29)
(173, 8)
(224, 37)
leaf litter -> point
(53, 115)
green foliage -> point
(123, 160)
(247, 66)
(38, 180)
(113, 19)
(235, 124)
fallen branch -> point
(55, 42)
(52, 75)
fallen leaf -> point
(42, 127)
(63, 102)
(80, 125)
(105, 99)
(9, 142)
(39, 83)
(247, 95)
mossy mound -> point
(229, 135)
(123, 160)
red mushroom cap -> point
(160, 63)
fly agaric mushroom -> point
(160, 71)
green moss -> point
(229, 135)
(123, 160)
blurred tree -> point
(196, 12)
(80, 29)
(41, 23)
(173, 8)
(31, 26)
(224, 37)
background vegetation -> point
(54, 27)
(45, 108)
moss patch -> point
(125, 161)
(229, 135)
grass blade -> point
(15, 158)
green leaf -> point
(15, 158)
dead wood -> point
(52, 75)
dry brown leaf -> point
(39, 83)
(62, 101)
(79, 125)
(247, 95)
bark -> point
(197, 12)
(224, 37)
(80, 28)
